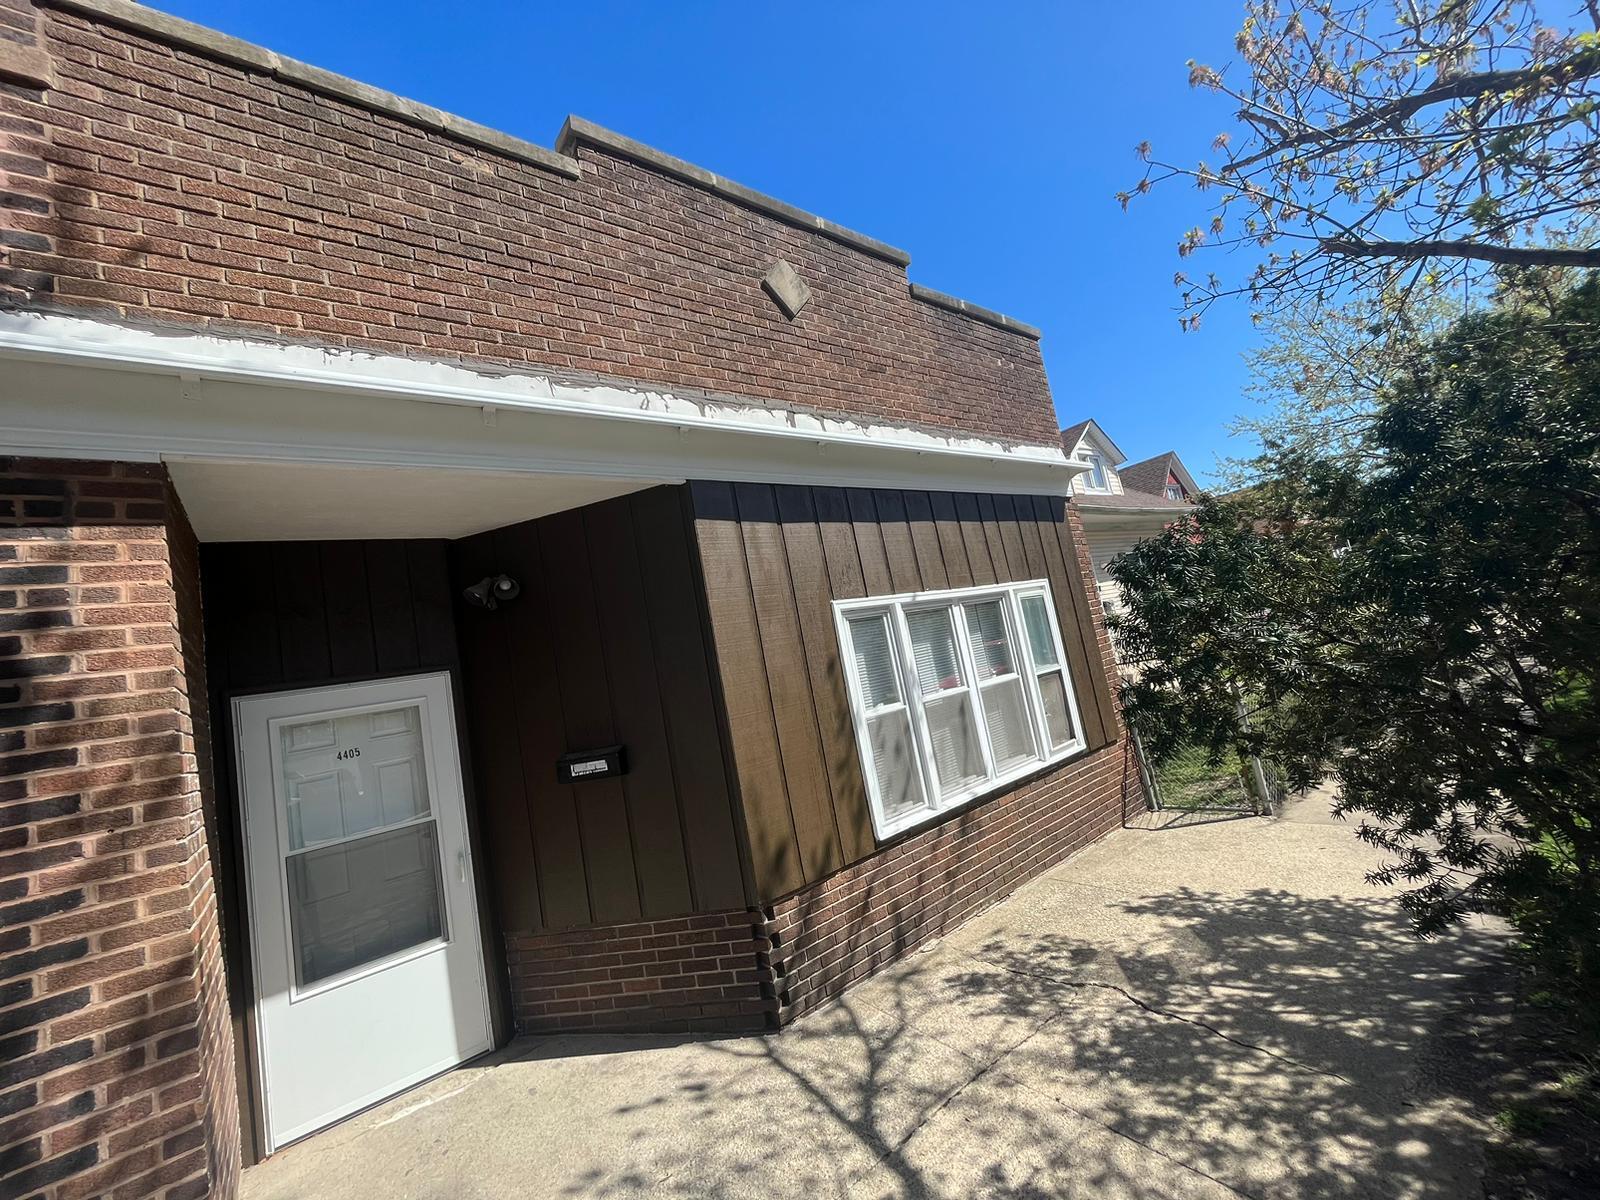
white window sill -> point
(987, 789)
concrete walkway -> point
(1197, 1007)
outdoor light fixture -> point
(489, 591)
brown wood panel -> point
(302, 615)
(925, 541)
(869, 542)
(394, 627)
(623, 605)
(432, 602)
(975, 539)
(554, 853)
(947, 526)
(1005, 571)
(783, 652)
(1010, 537)
(763, 793)
(838, 542)
(238, 580)
(608, 847)
(1072, 614)
(348, 606)
(897, 544)
(688, 701)
(492, 730)
(813, 596)
(768, 609)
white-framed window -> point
(954, 694)
(1094, 478)
(1174, 492)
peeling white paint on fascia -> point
(85, 341)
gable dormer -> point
(1086, 443)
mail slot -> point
(591, 764)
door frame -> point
(257, 1142)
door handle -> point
(461, 865)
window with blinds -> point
(954, 694)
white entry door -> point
(369, 971)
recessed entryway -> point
(368, 964)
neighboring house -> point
(455, 587)
(1121, 506)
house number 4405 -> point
(353, 752)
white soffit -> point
(79, 386)
(260, 502)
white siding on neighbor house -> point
(1104, 545)
(1086, 446)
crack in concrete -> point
(1172, 1016)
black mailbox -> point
(591, 764)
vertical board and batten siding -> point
(605, 645)
(774, 557)
(280, 616)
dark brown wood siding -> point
(286, 615)
(604, 646)
(774, 558)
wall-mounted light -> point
(491, 590)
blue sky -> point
(987, 139)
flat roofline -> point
(578, 130)
(191, 36)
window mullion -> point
(911, 690)
(980, 720)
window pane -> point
(869, 639)
(1039, 639)
(957, 757)
(353, 774)
(991, 648)
(894, 765)
(362, 900)
(1057, 716)
(1005, 713)
(933, 645)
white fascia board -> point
(844, 451)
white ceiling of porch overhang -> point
(277, 501)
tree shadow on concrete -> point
(1263, 1045)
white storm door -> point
(364, 927)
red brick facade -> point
(691, 974)
(117, 1051)
(157, 184)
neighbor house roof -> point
(1151, 474)
(1071, 435)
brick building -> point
(453, 588)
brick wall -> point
(834, 934)
(155, 184)
(116, 1052)
(690, 974)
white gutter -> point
(190, 356)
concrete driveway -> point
(1196, 1007)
